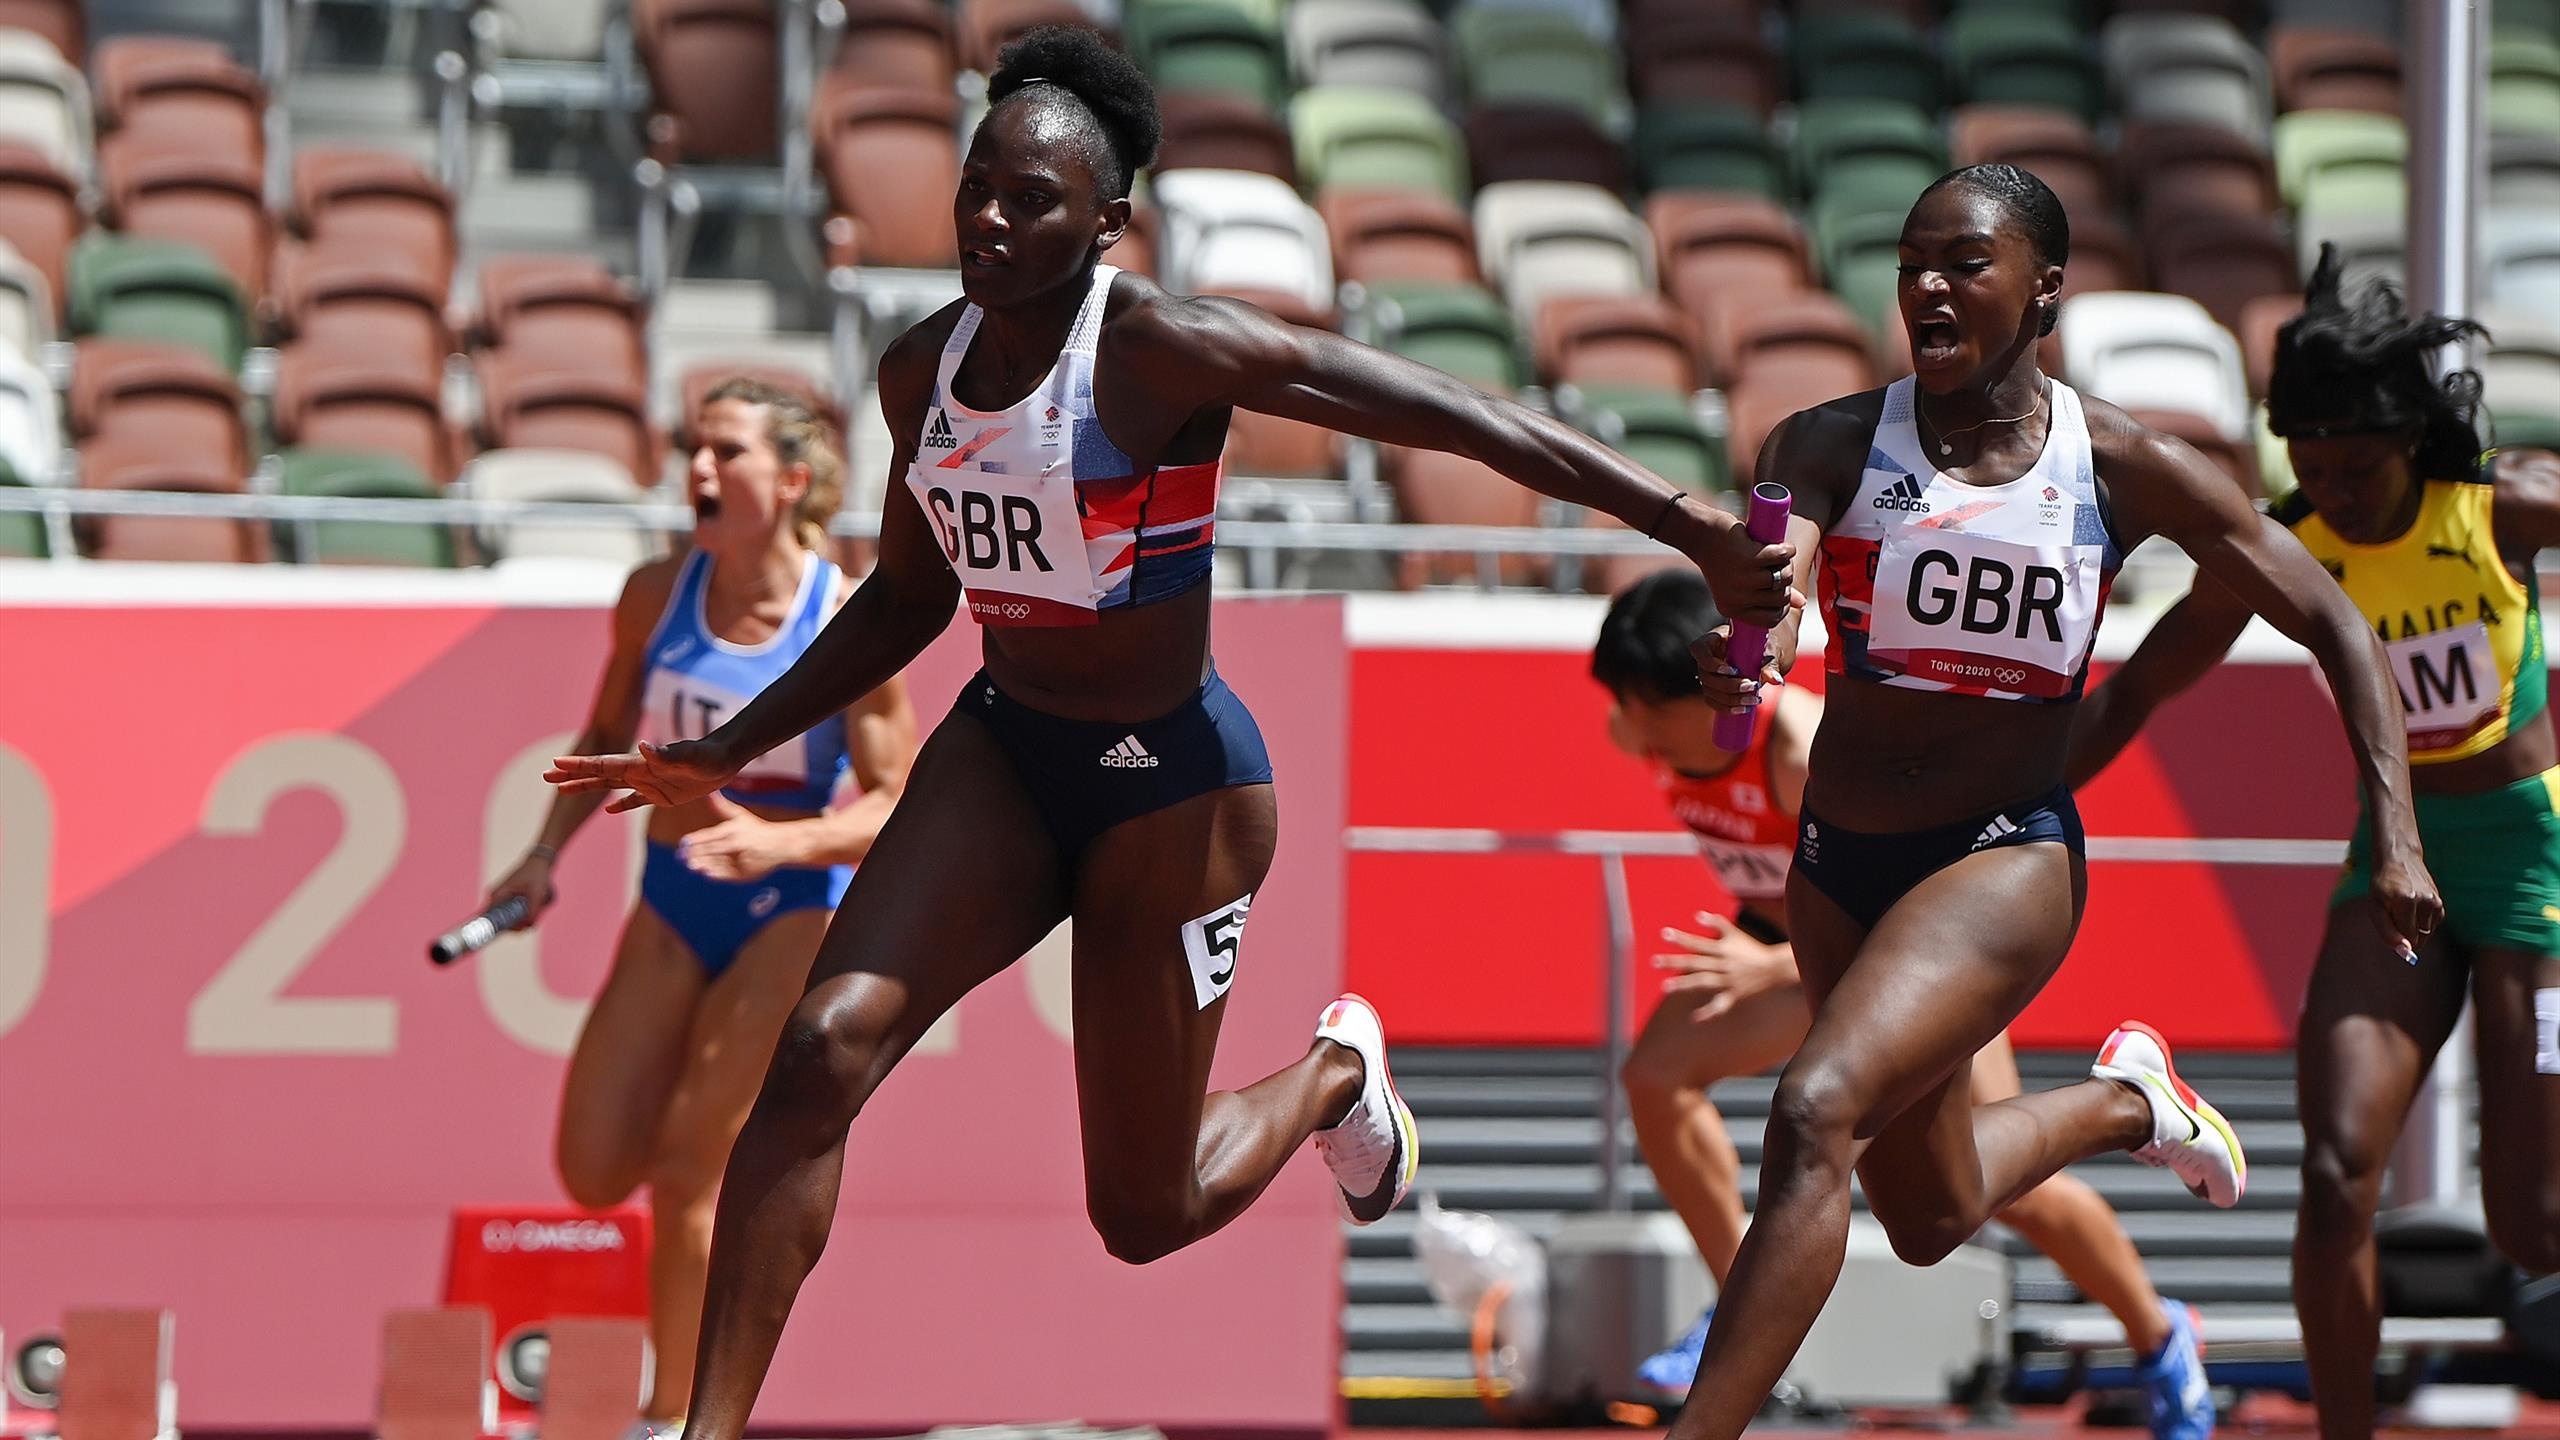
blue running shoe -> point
(2174, 1389)
(1675, 1367)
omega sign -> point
(503, 1237)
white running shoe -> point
(2188, 1137)
(1373, 1152)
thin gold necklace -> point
(1945, 435)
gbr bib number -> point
(2448, 684)
(1016, 542)
(1982, 614)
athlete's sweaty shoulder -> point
(1819, 453)
(2157, 484)
(907, 369)
(644, 598)
(1159, 335)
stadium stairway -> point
(1515, 1133)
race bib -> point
(1982, 614)
(1016, 542)
(1749, 872)
(2448, 682)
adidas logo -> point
(937, 436)
(2000, 828)
(1129, 755)
(1903, 494)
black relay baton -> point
(480, 929)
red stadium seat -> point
(1224, 132)
(899, 43)
(2103, 257)
(323, 402)
(215, 203)
(166, 398)
(1681, 52)
(39, 214)
(1382, 235)
(158, 95)
(1433, 488)
(563, 410)
(131, 462)
(1542, 142)
(1606, 340)
(986, 26)
(2058, 147)
(2316, 68)
(546, 314)
(380, 313)
(2222, 261)
(2197, 167)
(891, 159)
(63, 23)
(2230, 456)
(1808, 344)
(375, 202)
(1717, 252)
(713, 73)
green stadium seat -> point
(1210, 49)
(2524, 83)
(1536, 57)
(1858, 242)
(2081, 13)
(2354, 152)
(22, 534)
(2531, 18)
(1356, 138)
(365, 475)
(2524, 430)
(1849, 142)
(1856, 56)
(1706, 147)
(157, 290)
(1462, 329)
(2026, 58)
(1658, 430)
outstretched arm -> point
(908, 599)
(2188, 639)
(2162, 487)
(1202, 353)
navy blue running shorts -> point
(1866, 875)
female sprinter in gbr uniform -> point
(1970, 519)
(1060, 434)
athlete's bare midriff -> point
(1889, 759)
(1134, 664)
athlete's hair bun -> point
(1079, 61)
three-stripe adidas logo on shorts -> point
(1129, 755)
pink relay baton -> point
(1766, 522)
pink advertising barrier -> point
(236, 1088)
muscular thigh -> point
(629, 1053)
(1148, 1002)
(2371, 1026)
(962, 881)
(1756, 1034)
(731, 1043)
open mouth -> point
(1933, 339)
(982, 257)
(706, 507)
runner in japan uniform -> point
(1736, 1005)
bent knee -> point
(596, 1171)
(1816, 1108)
(2341, 1184)
(1924, 1239)
(1657, 1072)
(1138, 1230)
(825, 1064)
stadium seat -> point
(40, 214)
(1224, 132)
(2156, 352)
(1542, 142)
(2221, 261)
(152, 397)
(2372, 17)
(1385, 46)
(2081, 13)
(22, 533)
(157, 290)
(1462, 329)
(1858, 55)
(2520, 374)
(557, 313)
(1384, 235)
(374, 314)
(215, 203)
(1860, 252)
(895, 44)
(712, 67)
(1846, 145)
(378, 203)
(2524, 171)
(335, 407)
(891, 158)
(2320, 68)
(2058, 148)
(1716, 251)
(63, 24)
(435, 1363)
(2198, 167)
(26, 305)
(1434, 488)
(558, 475)
(2370, 242)
(1806, 342)
(1229, 229)
(366, 475)
(2260, 319)
(1598, 18)
(2105, 256)
(2524, 83)
(1706, 147)
(1275, 446)
(129, 462)
(44, 101)
(550, 29)
(1656, 429)
(566, 410)
(30, 423)
(1710, 57)
(1212, 49)
(1528, 56)
(699, 379)
(1537, 239)
(158, 96)
(2022, 59)
(2186, 69)
(2353, 157)
(1352, 138)
(1606, 341)
(987, 26)
(2520, 261)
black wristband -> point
(1670, 503)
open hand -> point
(743, 846)
(1723, 967)
(654, 774)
